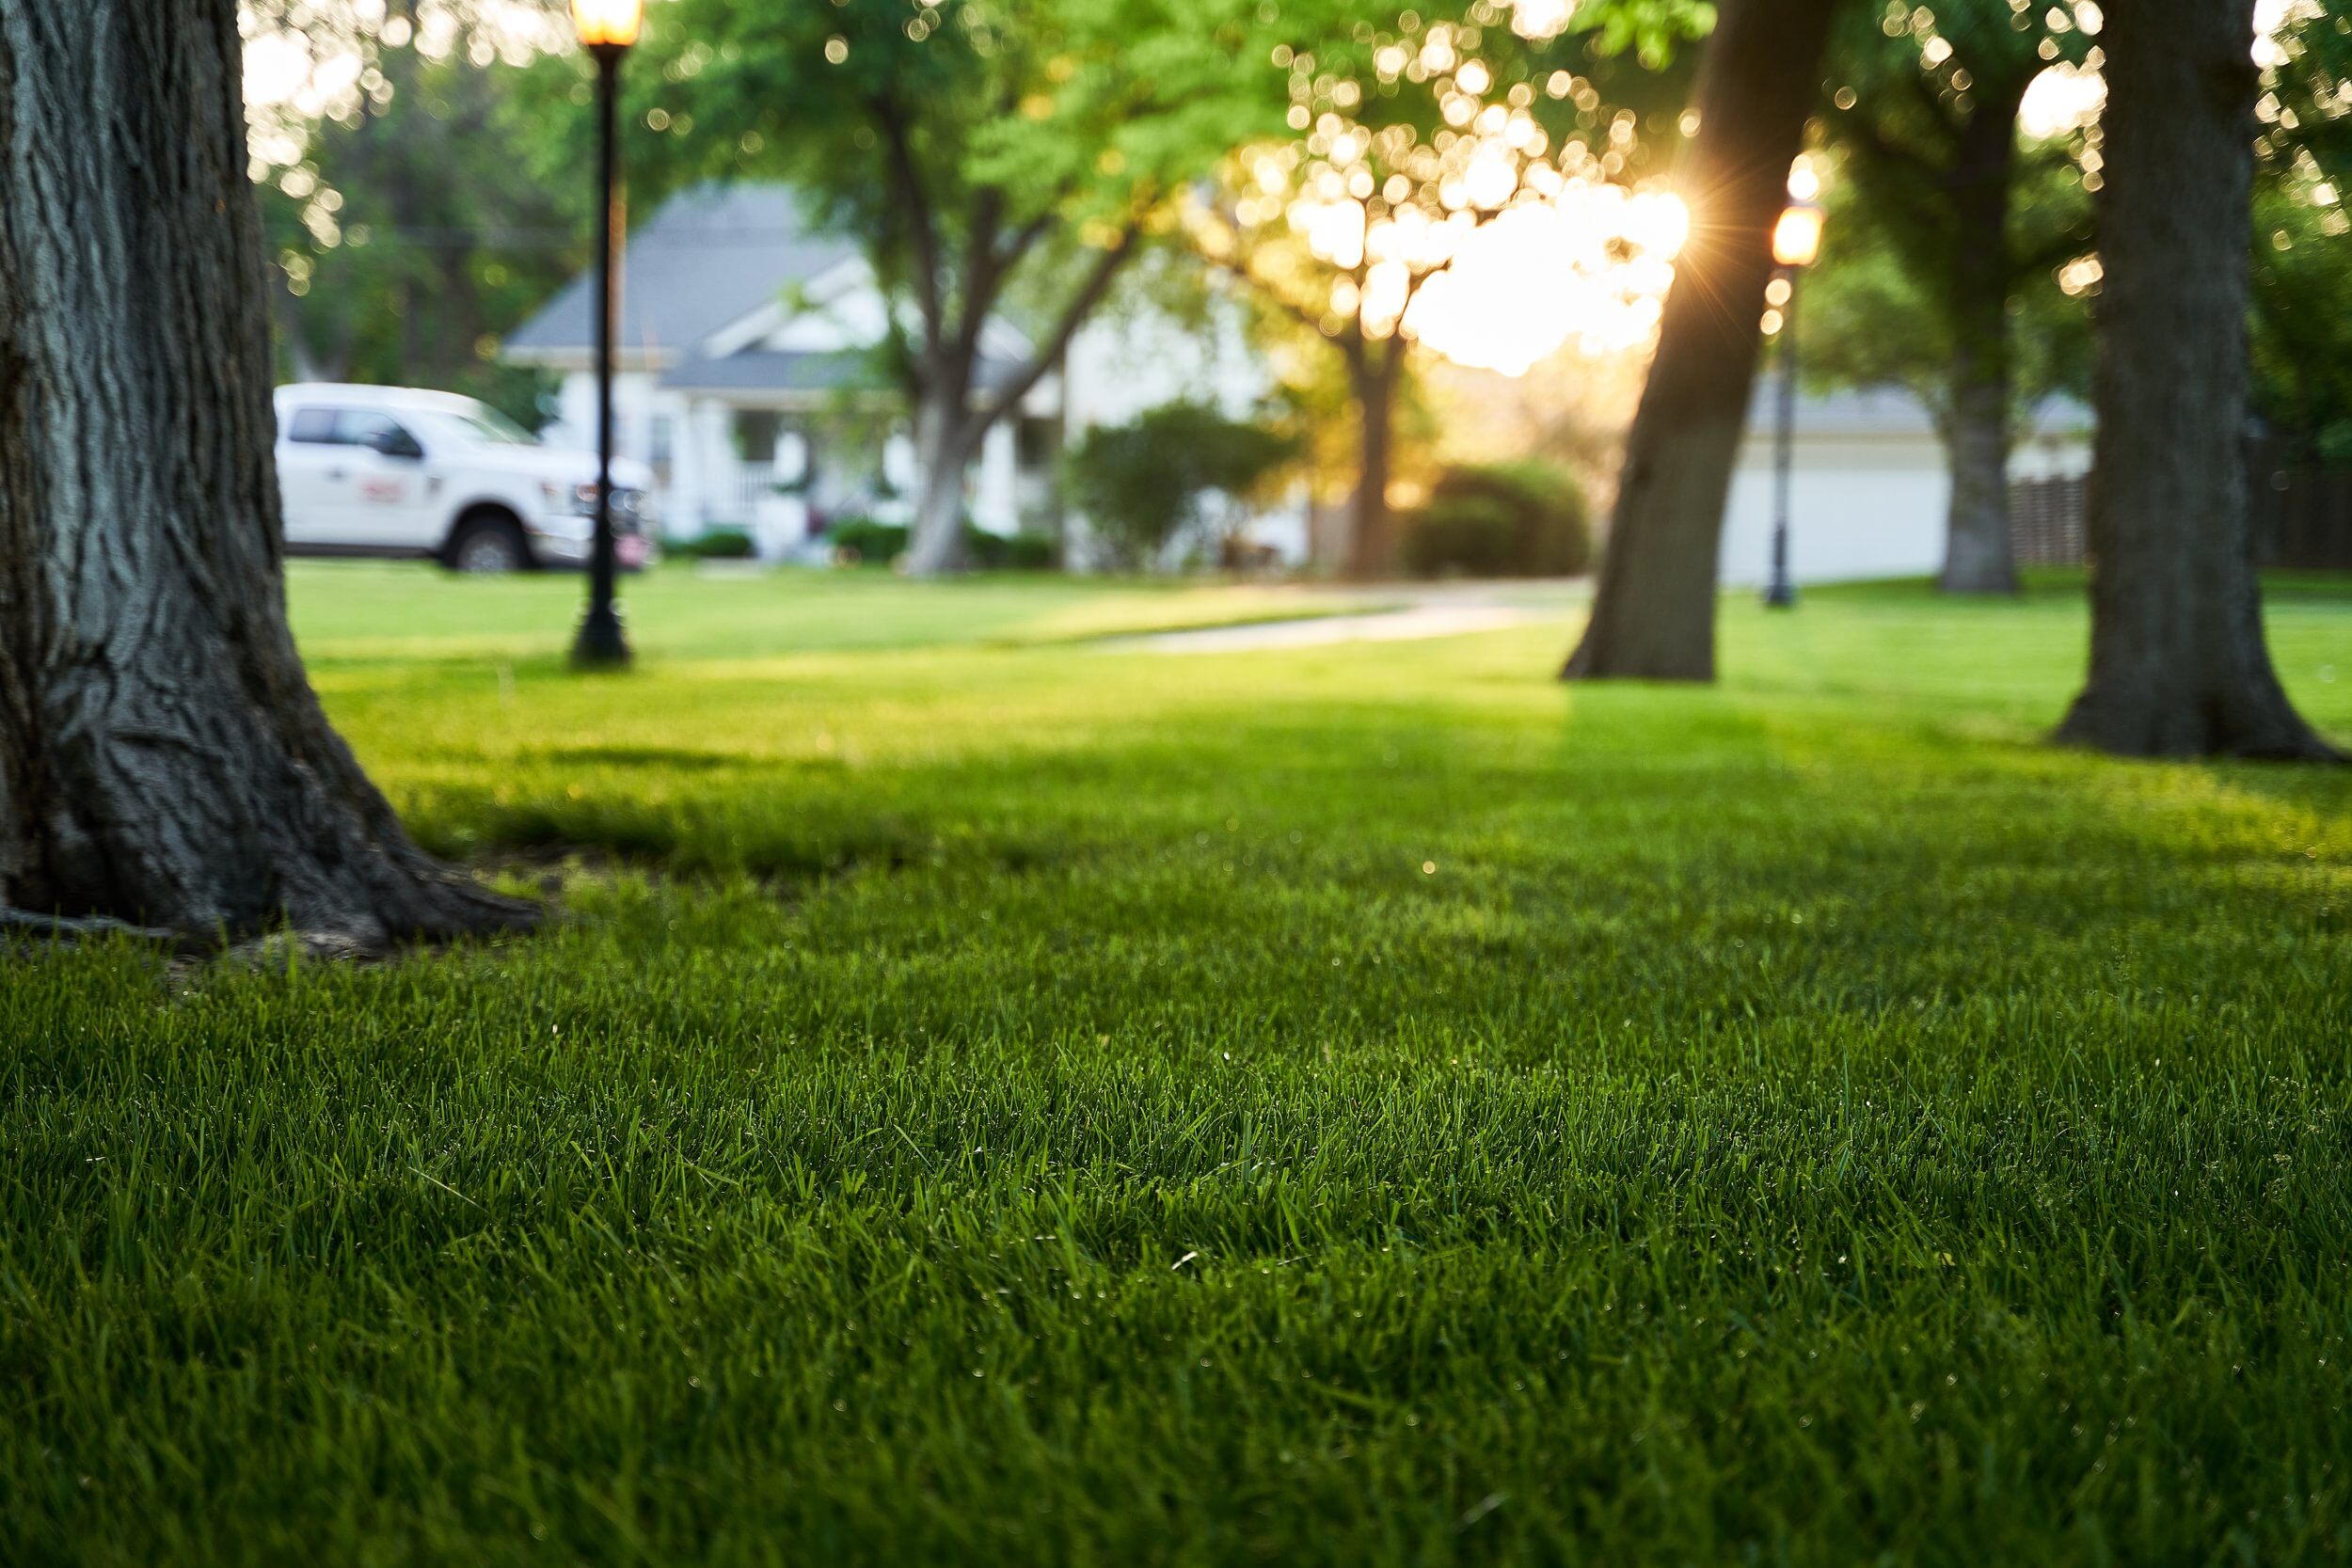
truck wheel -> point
(488, 544)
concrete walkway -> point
(1410, 623)
(1397, 612)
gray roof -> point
(774, 371)
(708, 258)
(1893, 411)
(760, 370)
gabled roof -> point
(707, 260)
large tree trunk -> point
(2178, 663)
(1654, 616)
(163, 760)
(1372, 547)
(1978, 554)
(942, 450)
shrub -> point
(1463, 535)
(1141, 484)
(1503, 519)
(856, 539)
(1032, 552)
(718, 544)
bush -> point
(856, 539)
(718, 544)
(1032, 552)
(1141, 484)
(1503, 519)
(1473, 536)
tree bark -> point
(1978, 554)
(1376, 369)
(1654, 615)
(2178, 666)
(162, 759)
(941, 454)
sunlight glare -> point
(1590, 265)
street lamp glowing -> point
(1796, 246)
(1797, 237)
(608, 28)
(609, 23)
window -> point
(346, 427)
(357, 428)
(756, 431)
(486, 424)
(1037, 443)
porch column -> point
(997, 504)
(716, 491)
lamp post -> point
(1796, 245)
(608, 30)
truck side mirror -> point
(396, 443)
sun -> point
(1591, 266)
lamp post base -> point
(601, 643)
(1780, 595)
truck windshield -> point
(480, 422)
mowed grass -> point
(989, 1099)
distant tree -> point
(996, 160)
(1143, 484)
(1654, 613)
(2302, 322)
(1405, 142)
(1870, 321)
(404, 244)
(163, 760)
(2179, 663)
(1975, 222)
(2302, 385)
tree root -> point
(69, 927)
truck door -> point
(388, 502)
(313, 475)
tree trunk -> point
(1980, 557)
(942, 450)
(2178, 662)
(1372, 548)
(1978, 554)
(1654, 615)
(163, 760)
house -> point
(745, 374)
(747, 377)
(1870, 484)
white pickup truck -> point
(391, 470)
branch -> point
(2049, 253)
(981, 275)
(1025, 239)
(1089, 295)
(906, 189)
(1877, 145)
(1937, 110)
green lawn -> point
(990, 1098)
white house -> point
(746, 378)
(1870, 484)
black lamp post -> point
(1796, 243)
(608, 30)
